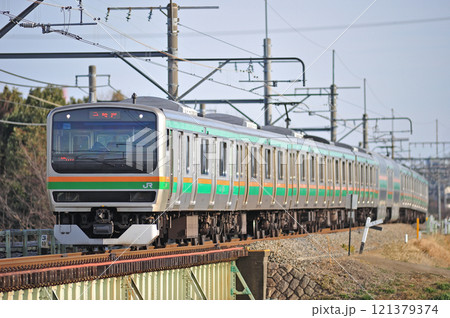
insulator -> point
(29, 25)
(150, 15)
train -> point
(150, 171)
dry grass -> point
(433, 250)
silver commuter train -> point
(154, 171)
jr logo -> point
(148, 185)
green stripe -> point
(253, 191)
(106, 185)
(222, 189)
(268, 191)
(204, 188)
(187, 187)
(281, 191)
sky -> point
(401, 48)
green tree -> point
(23, 196)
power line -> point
(43, 82)
(26, 105)
(220, 40)
(20, 123)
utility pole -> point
(365, 122)
(172, 41)
(267, 77)
(92, 84)
(438, 174)
(333, 107)
(172, 47)
(392, 135)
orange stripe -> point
(107, 179)
(254, 184)
(187, 180)
(268, 184)
(204, 181)
(223, 182)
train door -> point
(221, 193)
(175, 168)
(267, 194)
(281, 177)
(185, 179)
(350, 178)
(338, 191)
(206, 170)
(291, 180)
(303, 190)
(314, 186)
(232, 197)
(296, 196)
(344, 185)
(194, 168)
(357, 180)
(212, 158)
(246, 173)
(329, 181)
(323, 179)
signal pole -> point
(172, 41)
(92, 84)
(267, 77)
(365, 122)
(333, 108)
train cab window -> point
(321, 169)
(254, 162)
(302, 168)
(188, 154)
(313, 169)
(204, 150)
(336, 170)
(280, 166)
(267, 164)
(344, 171)
(223, 159)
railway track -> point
(18, 264)
(49, 270)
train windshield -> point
(104, 140)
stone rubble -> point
(286, 278)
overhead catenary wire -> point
(26, 105)
(20, 123)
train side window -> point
(204, 149)
(321, 169)
(223, 159)
(280, 166)
(313, 168)
(268, 164)
(302, 167)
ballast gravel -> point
(296, 251)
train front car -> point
(104, 173)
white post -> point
(364, 238)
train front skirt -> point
(136, 234)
